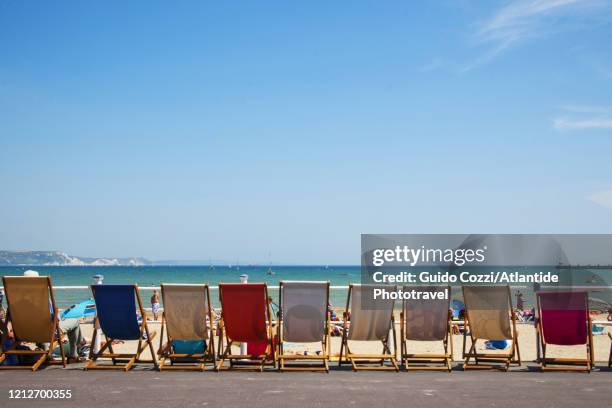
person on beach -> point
(2, 312)
(335, 329)
(520, 302)
(71, 327)
(155, 304)
(273, 306)
(4, 329)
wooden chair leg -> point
(110, 348)
(39, 362)
(223, 355)
(341, 350)
(516, 355)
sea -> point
(212, 275)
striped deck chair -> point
(303, 318)
(564, 320)
(187, 319)
(427, 320)
(246, 317)
(488, 313)
(116, 317)
(34, 318)
(368, 324)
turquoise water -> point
(154, 275)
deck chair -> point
(610, 358)
(34, 318)
(303, 318)
(187, 318)
(246, 317)
(427, 320)
(564, 320)
(368, 324)
(488, 313)
(116, 317)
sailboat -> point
(270, 271)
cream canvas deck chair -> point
(246, 317)
(564, 320)
(187, 320)
(427, 320)
(34, 319)
(368, 324)
(488, 313)
(303, 318)
(116, 317)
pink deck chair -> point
(564, 321)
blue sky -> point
(257, 130)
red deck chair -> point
(246, 317)
(564, 321)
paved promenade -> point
(522, 387)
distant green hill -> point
(62, 259)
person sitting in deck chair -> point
(70, 327)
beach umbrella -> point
(86, 308)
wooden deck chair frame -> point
(427, 361)
(123, 361)
(187, 361)
(365, 361)
(293, 362)
(610, 358)
(565, 364)
(488, 361)
(44, 357)
(246, 361)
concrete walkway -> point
(145, 388)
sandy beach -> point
(526, 338)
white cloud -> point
(582, 124)
(523, 18)
(520, 20)
(584, 117)
(603, 198)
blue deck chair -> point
(116, 318)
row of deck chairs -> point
(188, 326)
